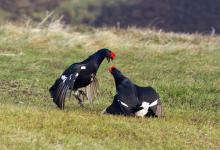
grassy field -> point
(183, 68)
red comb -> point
(113, 55)
(111, 68)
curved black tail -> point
(59, 90)
(53, 91)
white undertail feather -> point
(153, 103)
(145, 106)
(143, 112)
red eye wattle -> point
(111, 68)
(113, 55)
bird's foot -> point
(81, 104)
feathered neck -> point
(98, 57)
(118, 76)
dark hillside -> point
(169, 15)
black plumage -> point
(80, 78)
(132, 99)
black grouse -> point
(132, 99)
(80, 78)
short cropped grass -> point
(183, 68)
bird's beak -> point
(109, 59)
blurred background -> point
(190, 16)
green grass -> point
(183, 68)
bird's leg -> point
(70, 94)
(80, 101)
(82, 95)
(79, 96)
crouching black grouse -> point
(132, 99)
(80, 78)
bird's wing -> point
(91, 90)
(127, 98)
(115, 107)
(125, 101)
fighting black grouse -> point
(80, 78)
(132, 99)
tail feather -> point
(62, 96)
(58, 92)
(54, 88)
